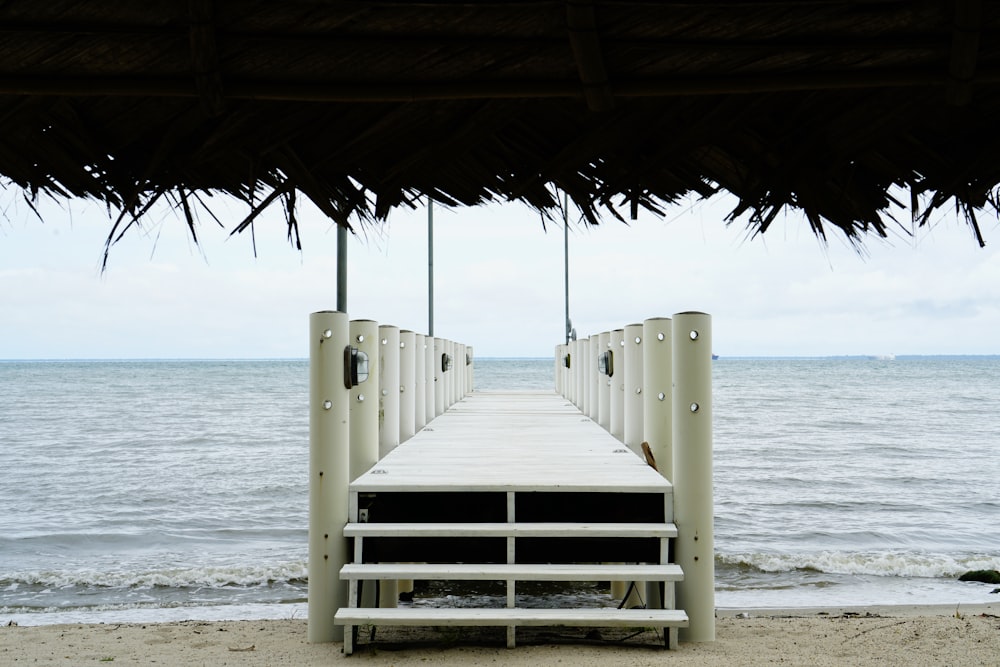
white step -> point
(590, 617)
(519, 572)
(510, 530)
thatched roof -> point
(831, 107)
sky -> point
(499, 283)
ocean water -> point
(140, 491)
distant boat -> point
(714, 356)
(884, 357)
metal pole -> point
(568, 326)
(341, 268)
(430, 266)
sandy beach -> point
(862, 636)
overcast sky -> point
(498, 279)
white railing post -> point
(632, 431)
(389, 428)
(693, 503)
(419, 382)
(439, 404)
(470, 371)
(449, 376)
(388, 437)
(557, 370)
(593, 377)
(430, 386)
(407, 385)
(571, 372)
(329, 473)
(617, 424)
(657, 391)
(364, 400)
(604, 385)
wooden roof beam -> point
(205, 57)
(965, 37)
(350, 92)
(583, 39)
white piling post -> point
(583, 374)
(365, 400)
(329, 473)
(604, 385)
(657, 391)
(364, 407)
(449, 375)
(460, 374)
(407, 385)
(693, 503)
(389, 428)
(633, 349)
(593, 377)
(564, 369)
(430, 391)
(557, 370)
(407, 419)
(439, 404)
(470, 371)
(388, 437)
(419, 382)
(617, 425)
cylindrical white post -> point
(583, 384)
(407, 385)
(419, 382)
(569, 361)
(470, 371)
(557, 370)
(657, 391)
(364, 400)
(693, 504)
(439, 404)
(633, 387)
(388, 437)
(561, 352)
(617, 425)
(449, 375)
(459, 371)
(604, 384)
(430, 391)
(593, 377)
(329, 472)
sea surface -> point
(142, 491)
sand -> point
(869, 636)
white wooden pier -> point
(512, 487)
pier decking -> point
(512, 486)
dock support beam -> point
(329, 472)
(693, 504)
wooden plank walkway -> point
(512, 441)
(512, 487)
